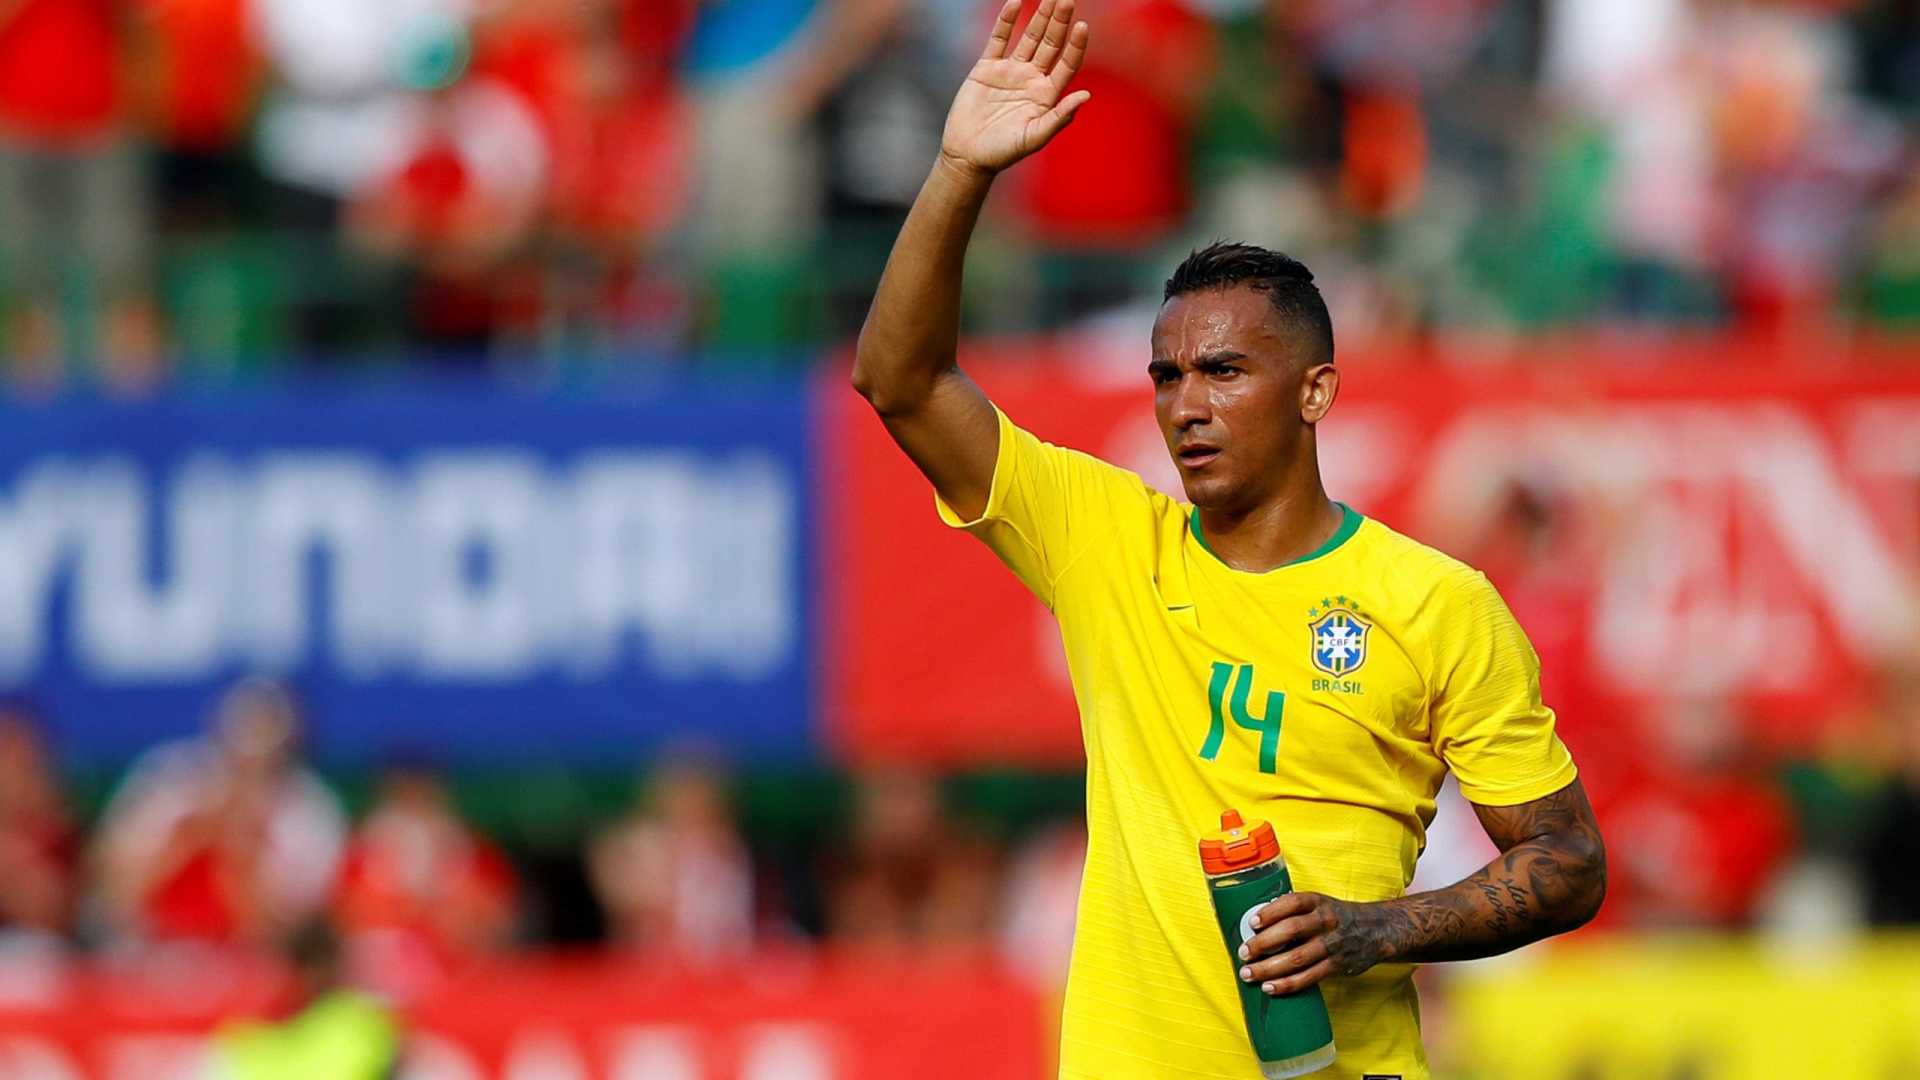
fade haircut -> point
(1286, 281)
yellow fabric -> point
(1151, 620)
(342, 1036)
(1628, 1007)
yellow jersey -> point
(1328, 696)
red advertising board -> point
(783, 1015)
(1688, 522)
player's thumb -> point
(1061, 115)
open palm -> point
(1012, 103)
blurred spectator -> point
(908, 873)
(630, 177)
(673, 874)
(419, 890)
(223, 838)
(757, 73)
(73, 195)
(1375, 63)
(38, 846)
(329, 1028)
(205, 73)
(349, 112)
(459, 201)
(1733, 145)
(340, 112)
(880, 132)
(1801, 161)
(603, 78)
(1635, 71)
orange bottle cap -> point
(1237, 845)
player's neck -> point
(1297, 521)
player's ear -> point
(1319, 384)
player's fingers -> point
(1279, 935)
(1036, 27)
(1002, 31)
(1293, 984)
(1072, 58)
(1286, 963)
(1294, 903)
(1055, 38)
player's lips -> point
(1196, 455)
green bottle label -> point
(1292, 1033)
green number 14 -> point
(1268, 724)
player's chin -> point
(1207, 490)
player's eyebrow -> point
(1218, 357)
(1160, 366)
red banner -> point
(1688, 524)
(783, 1015)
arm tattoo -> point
(1549, 878)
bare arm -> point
(1014, 101)
(1550, 878)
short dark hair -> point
(1286, 281)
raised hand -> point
(1012, 103)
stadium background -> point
(473, 370)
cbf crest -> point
(1339, 635)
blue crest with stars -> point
(1339, 636)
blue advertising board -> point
(451, 570)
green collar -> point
(1350, 520)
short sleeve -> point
(1047, 505)
(1487, 721)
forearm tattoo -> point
(1549, 878)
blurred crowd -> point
(212, 185)
(230, 840)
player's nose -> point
(1191, 404)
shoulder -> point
(1416, 569)
(1078, 461)
(1086, 478)
(1438, 601)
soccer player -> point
(1265, 648)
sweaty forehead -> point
(1216, 320)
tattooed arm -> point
(1550, 878)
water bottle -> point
(1291, 1035)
